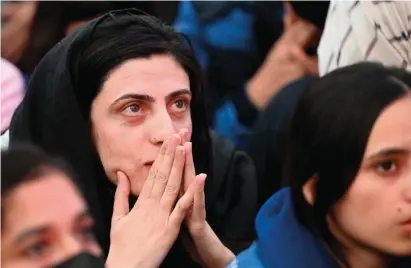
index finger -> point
(148, 185)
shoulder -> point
(231, 166)
(247, 258)
(226, 156)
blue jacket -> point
(283, 242)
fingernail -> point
(188, 145)
(202, 177)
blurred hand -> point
(286, 61)
(143, 236)
(17, 19)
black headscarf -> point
(55, 113)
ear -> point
(309, 189)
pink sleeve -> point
(12, 92)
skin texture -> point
(129, 132)
(370, 218)
(64, 228)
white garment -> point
(5, 140)
(366, 31)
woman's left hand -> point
(209, 250)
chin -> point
(402, 249)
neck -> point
(356, 254)
(358, 257)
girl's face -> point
(375, 213)
(141, 103)
(44, 222)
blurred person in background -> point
(12, 92)
(119, 88)
(249, 50)
(31, 28)
(46, 221)
(354, 31)
(44, 218)
(348, 170)
(357, 31)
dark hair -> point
(329, 133)
(135, 35)
(24, 162)
(50, 23)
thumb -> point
(121, 206)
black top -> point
(52, 117)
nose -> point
(162, 128)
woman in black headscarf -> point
(108, 95)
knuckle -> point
(171, 190)
(178, 164)
(161, 177)
(169, 153)
(163, 149)
(152, 173)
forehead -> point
(158, 75)
(50, 200)
(393, 127)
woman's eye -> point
(386, 167)
(180, 105)
(36, 250)
(132, 109)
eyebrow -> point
(30, 232)
(389, 152)
(174, 94)
(42, 229)
(148, 98)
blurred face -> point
(142, 103)
(375, 213)
(45, 221)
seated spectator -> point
(246, 58)
(109, 104)
(46, 221)
(348, 166)
(366, 31)
(12, 92)
(390, 47)
(44, 218)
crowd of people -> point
(206, 134)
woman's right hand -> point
(143, 236)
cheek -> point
(178, 125)
(116, 145)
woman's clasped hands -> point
(141, 237)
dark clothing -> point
(266, 143)
(55, 116)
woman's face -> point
(141, 103)
(44, 222)
(375, 213)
